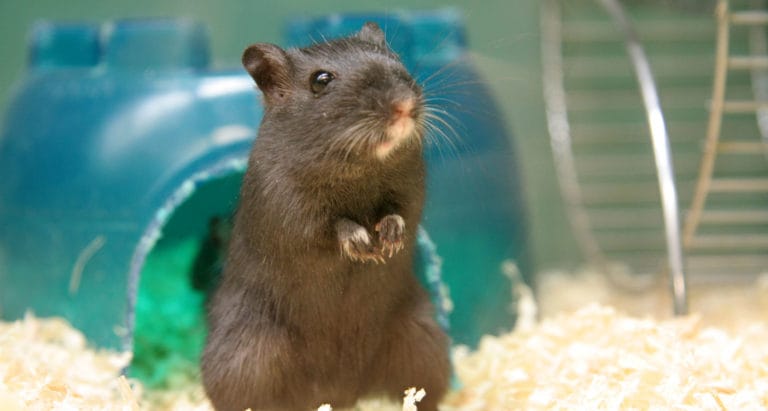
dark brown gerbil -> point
(318, 302)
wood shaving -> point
(596, 358)
(411, 397)
(45, 365)
(599, 359)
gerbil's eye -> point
(319, 80)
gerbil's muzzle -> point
(401, 125)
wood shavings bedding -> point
(593, 359)
(45, 365)
(599, 359)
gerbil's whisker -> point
(439, 71)
(313, 39)
(353, 140)
(349, 140)
(430, 132)
(340, 143)
(441, 127)
(432, 99)
(355, 136)
(436, 110)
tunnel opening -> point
(176, 279)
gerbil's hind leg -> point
(415, 355)
(250, 370)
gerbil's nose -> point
(403, 108)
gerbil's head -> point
(350, 97)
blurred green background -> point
(503, 36)
(504, 41)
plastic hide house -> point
(120, 135)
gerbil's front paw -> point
(356, 243)
(391, 231)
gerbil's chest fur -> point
(360, 197)
(289, 217)
(305, 198)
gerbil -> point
(318, 302)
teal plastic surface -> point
(115, 126)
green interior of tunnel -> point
(170, 311)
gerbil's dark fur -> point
(318, 302)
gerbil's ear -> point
(269, 66)
(371, 33)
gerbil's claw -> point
(358, 246)
(355, 242)
(391, 230)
